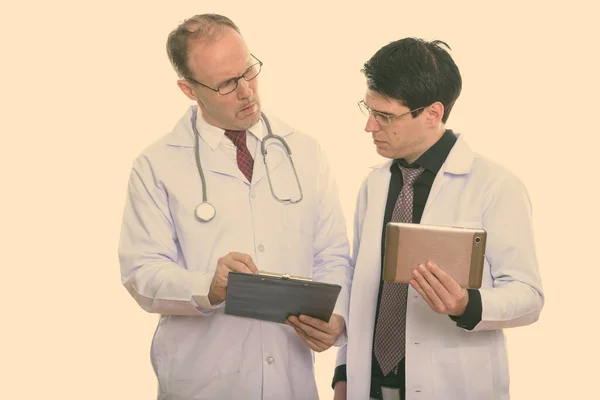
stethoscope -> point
(205, 210)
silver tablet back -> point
(458, 251)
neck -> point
(430, 140)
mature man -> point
(433, 339)
(200, 205)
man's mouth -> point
(248, 107)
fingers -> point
(443, 298)
(420, 290)
(233, 261)
(319, 342)
(445, 279)
(320, 335)
(314, 322)
(428, 292)
(237, 266)
(238, 262)
(434, 289)
(245, 259)
(313, 344)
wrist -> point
(340, 387)
(463, 305)
(214, 299)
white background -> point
(86, 86)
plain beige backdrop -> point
(85, 86)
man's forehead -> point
(231, 70)
(380, 102)
(218, 67)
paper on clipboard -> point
(273, 297)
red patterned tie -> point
(245, 161)
(391, 323)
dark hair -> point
(415, 72)
(198, 27)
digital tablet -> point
(274, 297)
(459, 251)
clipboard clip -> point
(285, 276)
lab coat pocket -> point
(462, 373)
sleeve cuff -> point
(473, 312)
(200, 288)
(339, 375)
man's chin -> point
(250, 119)
(383, 152)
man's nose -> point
(372, 125)
(244, 90)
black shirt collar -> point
(435, 156)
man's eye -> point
(227, 83)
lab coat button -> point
(270, 360)
(261, 248)
(252, 194)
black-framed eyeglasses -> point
(382, 118)
(231, 84)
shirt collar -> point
(213, 135)
(435, 156)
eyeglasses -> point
(382, 118)
(231, 84)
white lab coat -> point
(443, 361)
(168, 259)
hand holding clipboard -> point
(274, 297)
(299, 302)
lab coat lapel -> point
(458, 162)
(215, 160)
(211, 160)
(366, 283)
(218, 162)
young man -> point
(433, 339)
(176, 250)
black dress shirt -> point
(431, 161)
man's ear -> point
(434, 114)
(186, 88)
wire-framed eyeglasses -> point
(383, 119)
(231, 84)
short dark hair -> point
(198, 27)
(415, 72)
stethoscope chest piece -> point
(205, 212)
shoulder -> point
(155, 152)
(496, 184)
(494, 173)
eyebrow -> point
(224, 81)
(384, 113)
(374, 110)
(233, 77)
(380, 112)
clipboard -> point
(274, 297)
(459, 251)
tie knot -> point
(237, 137)
(410, 175)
